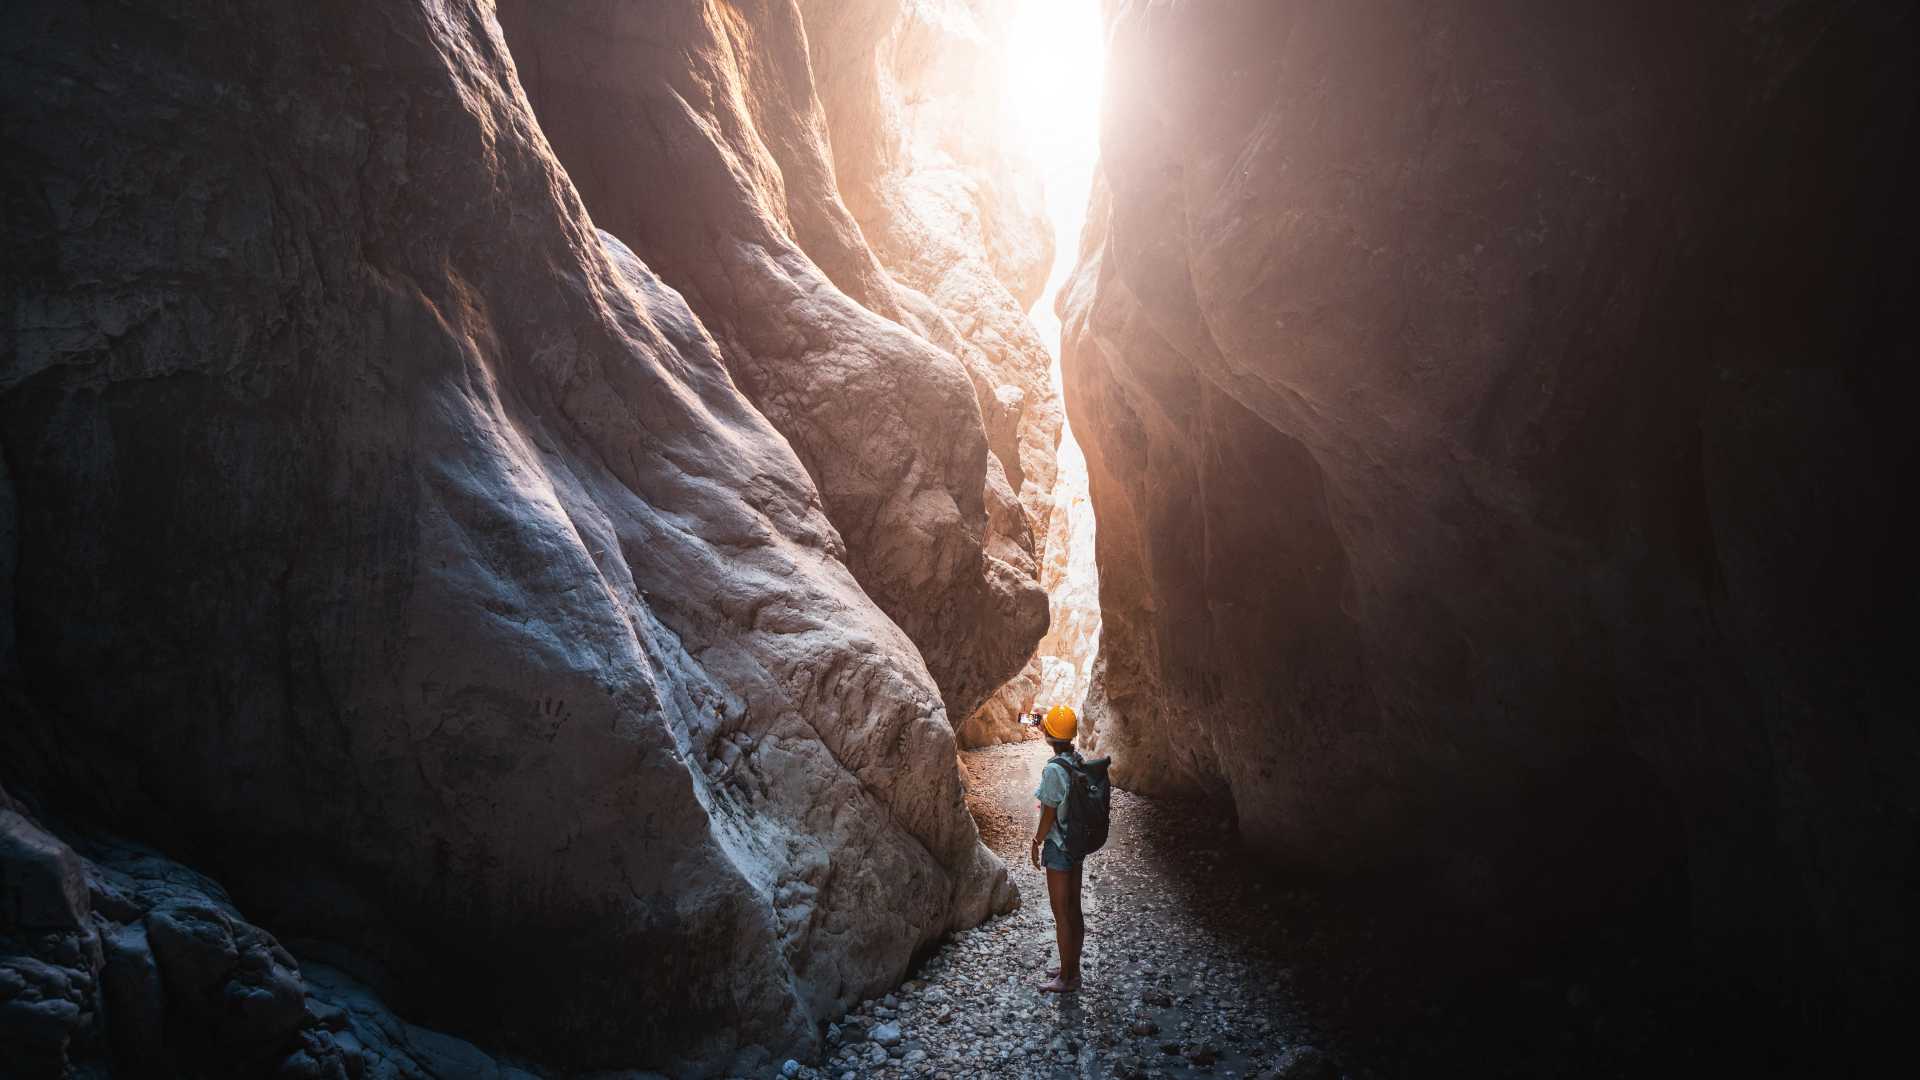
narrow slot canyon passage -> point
(528, 530)
(1182, 975)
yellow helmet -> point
(1060, 723)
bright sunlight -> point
(1054, 75)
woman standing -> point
(1050, 851)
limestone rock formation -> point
(868, 379)
(1061, 670)
(122, 955)
(1071, 577)
(917, 97)
(917, 100)
(388, 543)
(1492, 413)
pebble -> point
(790, 1068)
(974, 1008)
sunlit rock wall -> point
(1071, 577)
(917, 98)
(389, 543)
(1062, 666)
(1494, 413)
(695, 132)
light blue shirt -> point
(1054, 785)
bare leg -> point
(1070, 959)
(1063, 888)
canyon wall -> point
(1494, 416)
(1062, 666)
(917, 97)
(527, 618)
(1065, 657)
(875, 369)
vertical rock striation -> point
(389, 542)
(869, 380)
(1072, 580)
(916, 97)
(1492, 412)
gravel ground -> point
(1199, 963)
(1165, 993)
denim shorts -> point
(1054, 857)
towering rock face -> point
(1072, 579)
(1492, 412)
(1062, 666)
(916, 96)
(870, 381)
(384, 539)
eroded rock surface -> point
(917, 97)
(1493, 413)
(877, 383)
(1061, 671)
(404, 552)
(1072, 578)
(121, 957)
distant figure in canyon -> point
(1073, 824)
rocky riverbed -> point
(1164, 995)
(1199, 962)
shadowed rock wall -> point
(385, 540)
(1495, 413)
(116, 953)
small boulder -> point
(136, 1000)
(42, 883)
(232, 979)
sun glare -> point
(1054, 72)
